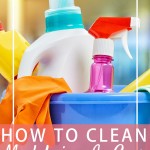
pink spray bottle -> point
(105, 30)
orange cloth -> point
(6, 107)
(32, 97)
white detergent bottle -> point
(64, 50)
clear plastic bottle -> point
(102, 72)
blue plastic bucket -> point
(97, 108)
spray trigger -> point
(123, 35)
(125, 44)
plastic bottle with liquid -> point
(106, 30)
(64, 50)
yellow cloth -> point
(6, 53)
(32, 96)
(143, 80)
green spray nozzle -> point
(58, 4)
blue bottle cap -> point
(63, 15)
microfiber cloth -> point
(32, 98)
(144, 89)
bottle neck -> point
(102, 59)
